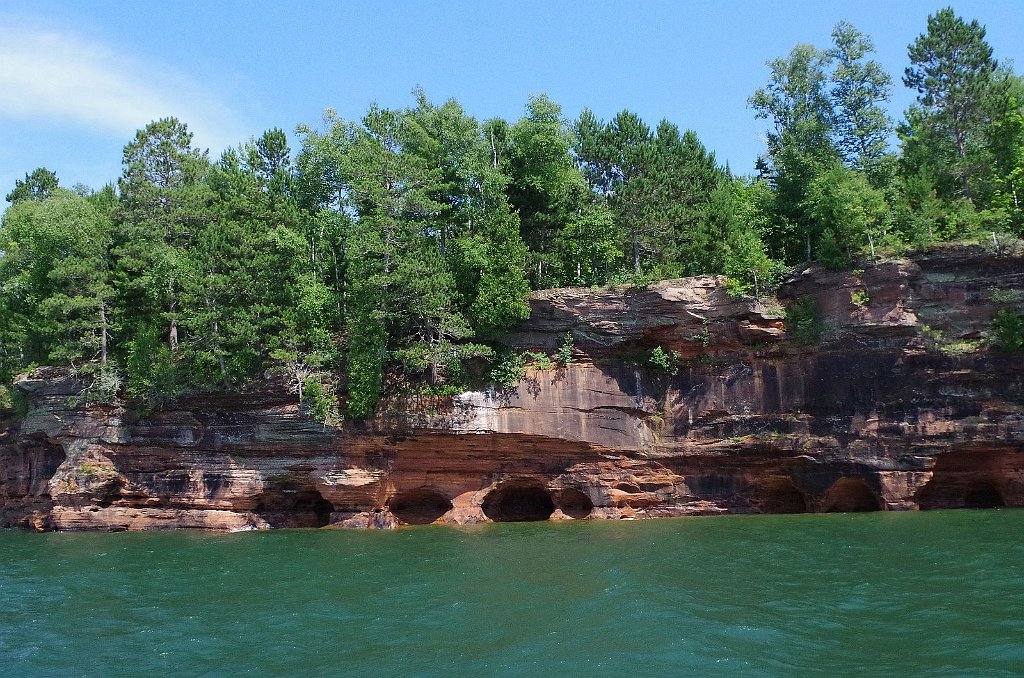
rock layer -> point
(903, 404)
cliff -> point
(902, 402)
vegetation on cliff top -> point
(393, 249)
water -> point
(935, 594)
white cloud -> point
(60, 77)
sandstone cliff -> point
(903, 403)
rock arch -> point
(520, 500)
(779, 495)
(419, 506)
(850, 495)
(574, 503)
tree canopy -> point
(388, 254)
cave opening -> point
(317, 509)
(518, 502)
(851, 495)
(420, 506)
(952, 490)
(575, 503)
(983, 494)
(780, 495)
(295, 508)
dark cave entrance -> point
(295, 508)
(954, 490)
(518, 501)
(574, 503)
(983, 494)
(850, 495)
(314, 508)
(780, 495)
(421, 506)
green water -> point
(883, 594)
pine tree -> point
(952, 69)
(165, 202)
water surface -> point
(938, 593)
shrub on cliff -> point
(666, 361)
(1008, 330)
(802, 322)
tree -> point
(475, 228)
(56, 281)
(656, 185)
(849, 212)
(245, 274)
(859, 88)
(37, 186)
(1005, 138)
(739, 221)
(617, 157)
(800, 147)
(796, 101)
(545, 186)
(952, 68)
(402, 295)
(165, 202)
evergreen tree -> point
(36, 186)
(951, 68)
(165, 202)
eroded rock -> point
(882, 414)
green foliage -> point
(666, 361)
(564, 355)
(656, 186)
(830, 252)
(509, 369)
(952, 70)
(393, 245)
(702, 336)
(1008, 330)
(845, 207)
(320, 402)
(961, 347)
(931, 336)
(860, 89)
(155, 376)
(859, 298)
(540, 361)
(37, 186)
(55, 280)
(1001, 296)
(802, 322)
(105, 387)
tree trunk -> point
(103, 335)
(961, 149)
(172, 333)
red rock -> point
(880, 415)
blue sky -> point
(78, 78)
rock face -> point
(902, 404)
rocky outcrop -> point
(902, 403)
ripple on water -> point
(935, 593)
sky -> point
(78, 79)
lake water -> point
(883, 594)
